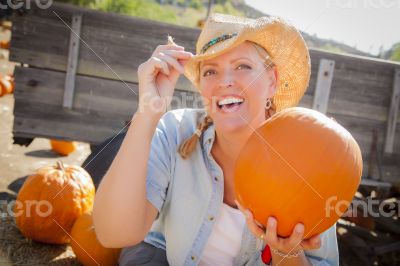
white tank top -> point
(223, 245)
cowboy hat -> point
(282, 41)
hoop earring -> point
(268, 104)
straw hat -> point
(281, 40)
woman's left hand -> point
(290, 245)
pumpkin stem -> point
(60, 166)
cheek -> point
(260, 85)
(257, 94)
(206, 92)
(257, 88)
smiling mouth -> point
(230, 104)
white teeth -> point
(230, 100)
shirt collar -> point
(209, 137)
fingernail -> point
(299, 228)
(271, 221)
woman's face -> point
(235, 87)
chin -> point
(231, 125)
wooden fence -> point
(77, 80)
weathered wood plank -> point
(110, 97)
(323, 87)
(113, 45)
(73, 56)
(392, 117)
(101, 107)
(361, 80)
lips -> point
(229, 103)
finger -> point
(157, 63)
(244, 211)
(270, 233)
(164, 47)
(172, 61)
(179, 54)
(254, 228)
(183, 61)
(297, 235)
(241, 208)
(257, 231)
(260, 225)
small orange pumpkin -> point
(10, 79)
(63, 147)
(7, 84)
(300, 167)
(51, 200)
(5, 44)
(87, 248)
(2, 91)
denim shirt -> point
(188, 194)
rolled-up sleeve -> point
(328, 254)
(160, 163)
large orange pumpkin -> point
(63, 147)
(51, 200)
(300, 167)
(87, 248)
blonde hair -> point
(188, 145)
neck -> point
(228, 146)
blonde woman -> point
(168, 197)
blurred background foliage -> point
(179, 12)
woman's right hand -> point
(158, 76)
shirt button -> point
(211, 218)
(216, 178)
(193, 257)
(209, 140)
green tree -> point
(395, 55)
(117, 6)
(196, 4)
(227, 8)
(85, 3)
(140, 8)
(330, 48)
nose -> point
(227, 80)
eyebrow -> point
(237, 59)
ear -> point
(273, 77)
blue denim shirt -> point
(188, 194)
